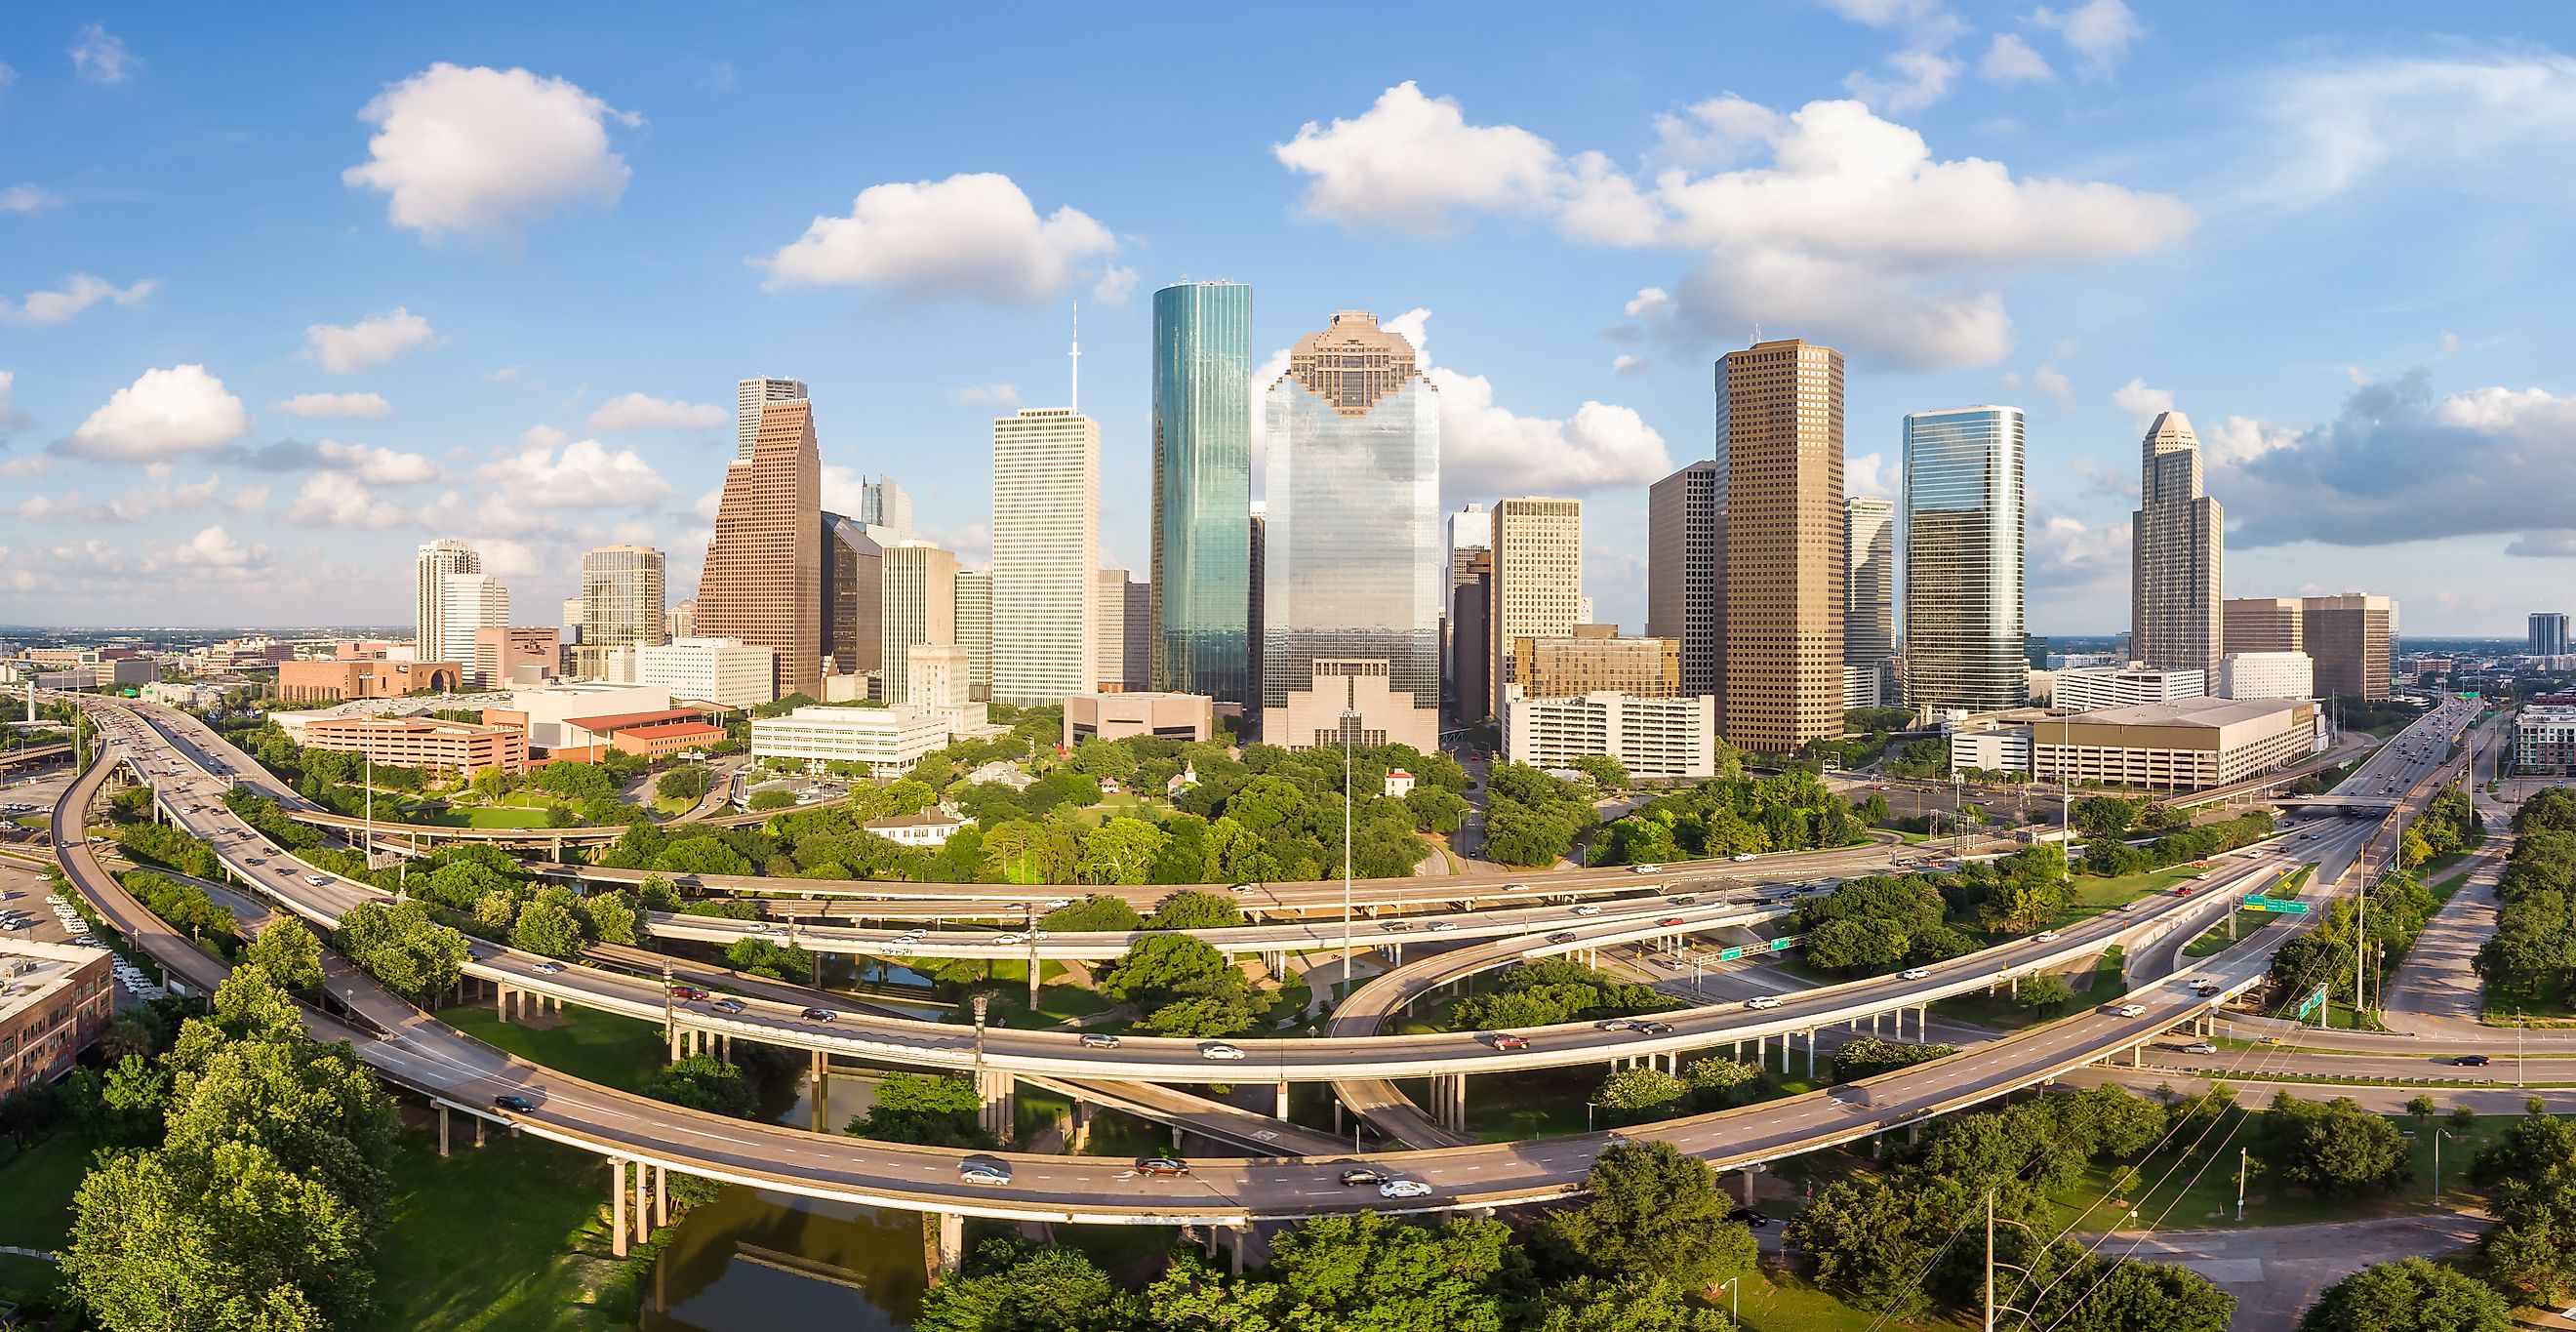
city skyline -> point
(486, 365)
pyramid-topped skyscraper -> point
(2175, 555)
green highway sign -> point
(1730, 954)
(2313, 1002)
(2259, 902)
(1781, 944)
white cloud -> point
(145, 502)
(1868, 474)
(2242, 439)
(1850, 232)
(27, 468)
(583, 474)
(504, 375)
(2098, 30)
(337, 499)
(985, 395)
(247, 499)
(7, 75)
(27, 198)
(634, 411)
(2143, 404)
(1884, 13)
(841, 488)
(2045, 382)
(368, 343)
(333, 404)
(1263, 376)
(99, 57)
(1115, 285)
(972, 235)
(1922, 78)
(2494, 119)
(214, 548)
(1485, 449)
(80, 291)
(2009, 59)
(1625, 364)
(163, 414)
(12, 420)
(487, 150)
(380, 466)
(71, 508)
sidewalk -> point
(2435, 991)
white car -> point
(2200, 1047)
(1645, 869)
(1007, 940)
(1403, 1188)
(1515, 887)
(2130, 1010)
(549, 968)
(1741, 855)
(1438, 926)
(1914, 973)
(984, 1172)
(2044, 936)
(1220, 1051)
(1763, 1001)
(1587, 909)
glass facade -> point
(1354, 563)
(1201, 558)
(1961, 538)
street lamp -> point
(1735, 1301)
(1350, 725)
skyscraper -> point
(1686, 573)
(750, 396)
(1199, 576)
(1538, 580)
(975, 630)
(1256, 548)
(920, 609)
(1471, 532)
(1470, 593)
(469, 603)
(882, 503)
(621, 597)
(2349, 636)
(2549, 634)
(1869, 599)
(1046, 549)
(2261, 624)
(853, 595)
(1962, 535)
(1779, 501)
(430, 569)
(1123, 655)
(2175, 555)
(763, 581)
(1353, 568)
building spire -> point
(1076, 354)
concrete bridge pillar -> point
(951, 1244)
(1078, 1137)
(995, 1089)
(678, 1038)
(1282, 1111)
(1746, 1176)
(501, 1001)
(617, 1206)
(442, 1130)
(661, 1197)
(1873, 1023)
(643, 1212)
(820, 1085)
(1811, 1076)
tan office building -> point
(2261, 624)
(2176, 555)
(1362, 690)
(462, 748)
(1594, 659)
(764, 582)
(1779, 491)
(2348, 636)
(919, 608)
(1116, 716)
(2184, 745)
(621, 597)
(1537, 592)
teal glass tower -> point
(1202, 557)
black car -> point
(816, 1015)
(1352, 1179)
(2472, 1061)
(1654, 1029)
(1561, 936)
(513, 1102)
(1748, 1216)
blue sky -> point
(282, 297)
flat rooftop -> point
(30, 972)
(2189, 712)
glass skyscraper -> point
(1355, 568)
(1961, 540)
(1201, 557)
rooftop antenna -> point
(1076, 354)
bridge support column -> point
(661, 1197)
(2138, 1055)
(1747, 1177)
(442, 1131)
(643, 1213)
(1235, 1239)
(1282, 1110)
(995, 1089)
(676, 1037)
(1078, 1137)
(951, 1244)
(2015, 985)
(501, 1001)
(1873, 1023)
(724, 1047)
(1811, 1076)
(819, 1084)
(1923, 1022)
(617, 1206)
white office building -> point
(2267, 675)
(724, 671)
(1992, 749)
(469, 603)
(1046, 551)
(430, 569)
(1656, 739)
(2094, 689)
(749, 396)
(888, 740)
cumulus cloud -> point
(487, 151)
(164, 414)
(12, 420)
(333, 404)
(2498, 119)
(1626, 364)
(337, 499)
(971, 236)
(1829, 221)
(151, 501)
(79, 292)
(100, 57)
(2143, 404)
(368, 343)
(379, 466)
(2009, 59)
(2098, 30)
(635, 411)
(1920, 78)
(2045, 383)
(27, 198)
(27, 468)
(1869, 474)
(546, 473)
(1114, 286)
(215, 548)
(985, 395)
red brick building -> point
(54, 1001)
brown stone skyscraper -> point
(1779, 501)
(763, 581)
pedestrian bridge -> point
(2348, 804)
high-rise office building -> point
(1961, 530)
(1256, 541)
(751, 396)
(2548, 634)
(853, 595)
(430, 569)
(1538, 580)
(571, 623)
(2261, 624)
(621, 596)
(975, 631)
(884, 504)
(681, 621)
(763, 581)
(1685, 583)
(1470, 592)
(1353, 568)
(919, 605)
(1470, 530)
(1779, 497)
(1200, 572)
(1123, 655)
(2349, 637)
(1869, 596)
(1046, 555)
(2175, 555)
(468, 604)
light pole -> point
(1349, 722)
(1734, 1301)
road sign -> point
(1729, 954)
(2313, 1002)
(2278, 906)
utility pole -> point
(1990, 1260)
(1350, 722)
(2242, 1157)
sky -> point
(284, 295)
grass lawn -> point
(502, 1237)
(2216, 939)
(2195, 1190)
(27, 1281)
(38, 1184)
(2508, 1006)
(2094, 896)
(600, 1047)
(2002, 1011)
(504, 816)
(1776, 1300)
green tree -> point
(2530, 1178)
(1868, 1244)
(1161, 965)
(775, 797)
(133, 1102)
(550, 924)
(1368, 1271)
(928, 1109)
(289, 953)
(2333, 1147)
(224, 1238)
(1195, 911)
(1094, 914)
(2410, 1295)
(1120, 851)
(1602, 768)
(399, 945)
(689, 783)
(1640, 1093)
(2105, 816)
(1633, 1302)
(2045, 991)
(1654, 1210)
(703, 1082)
(1015, 1288)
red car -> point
(2182, 890)
(687, 992)
(1668, 922)
(1506, 1041)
